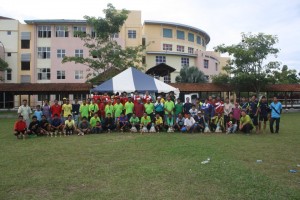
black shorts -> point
(254, 120)
(263, 118)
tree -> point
(3, 67)
(104, 51)
(285, 76)
(248, 68)
(191, 75)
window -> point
(61, 74)
(25, 78)
(8, 32)
(132, 34)
(8, 75)
(79, 53)
(43, 97)
(167, 78)
(203, 42)
(207, 77)
(9, 54)
(44, 74)
(167, 33)
(144, 41)
(115, 35)
(78, 30)
(25, 65)
(61, 53)
(25, 44)
(191, 37)
(78, 74)
(59, 97)
(216, 66)
(93, 33)
(44, 31)
(144, 60)
(206, 64)
(167, 47)
(62, 31)
(180, 48)
(180, 35)
(185, 62)
(43, 52)
(198, 40)
(160, 59)
(79, 96)
(191, 50)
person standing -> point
(187, 106)
(46, 110)
(139, 108)
(263, 110)
(118, 109)
(169, 107)
(129, 107)
(66, 110)
(276, 109)
(228, 107)
(253, 111)
(93, 108)
(159, 107)
(55, 109)
(178, 108)
(75, 111)
(149, 109)
(25, 111)
(84, 109)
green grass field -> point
(157, 166)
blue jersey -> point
(275, 109)
(264, 108)
(38, 114)
(253, 106)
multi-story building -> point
(34, 50)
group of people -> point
(104, 113)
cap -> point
(64, 98)
(159, 97)
(199, 112)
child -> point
(69, 126)
(236, 112)
(38, 113)
(231, 124)
(20, 128)
(193, 111)
(34, 127)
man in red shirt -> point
(219, 106)
(55, 109)
(101, 111)
(124, 98)
(139, 108)
(20, 128)
(146, 97)
(96, 96)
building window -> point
(78, 74)
(198, 40)
(25, 44)
(9, 54)
(79, 30)
(191, 37)
(25, 65)
(132, 34)
(61, 53)
(8, 32)
(61, 74)
(62, 31)
(43, 52)
(8, 75)
(160, 59)
(180, 48)
(180, 35)
(25, 79)
(203, 42)
(191, 50)
(79, 53)
(93, 33)
(79, 96)
(217, 67)
(207, 78)
(206, 64)
(185, 62)
(144, 41)
(115, 35)
(167, 47)
(43, 97)
(167, 78)
(44, 74)
(44, 31)
(167, 33)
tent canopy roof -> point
(161, 69)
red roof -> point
(283, 88)
(201, 87)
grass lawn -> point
(157, 166)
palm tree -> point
(191, 75)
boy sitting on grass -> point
(122, 122)
(69, 126)
(56, 126)
(45, 125)
(34, 127)
(84, 127)
(20, 128)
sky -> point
(223, 20)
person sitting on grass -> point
(70, 126)
(231, 125)
(217, 121)
(34, 127)
(134, 121)
(169, 123)
(56, 126)
(45, 125)
(189, 124)
(109, 124)
(93, 122)
(84, 127)
(246, 124)
(158, 123)
(122, 122)
(20, 128)
(179, 122)
(200, 122)
(145, 122)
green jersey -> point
(84, 110)
(149, 108)
(94, 120)
(145, 121)
(129, 107)
(169, 107)
(178, 108)
(246, 120)
(118, 108)
(134, 120)
(109, 109)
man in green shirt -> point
(129, 106)
(93, 108)
(109, 109)
(149, 109)
(118, 108)
(246, 124)
(94, 124)
(84, 109)
(178, 108)
(145, 121)
(169, 107)
(134, 121)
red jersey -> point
(55, 109)
(123, 100)
(96, 97)
(219, 107)
(20, 126)
(101, 111)
(145, 97)
(139, 109)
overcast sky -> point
(222, 20)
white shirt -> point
(25, 111)
(189, 122)
(193, 112)
(228, 108)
